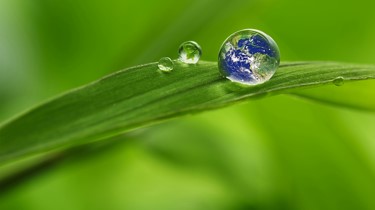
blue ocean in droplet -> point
(249, 57)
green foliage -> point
(142, 95)
(280, 152)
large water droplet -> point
(165, 64)
(338, 81)
(249, 57)
(190, 52)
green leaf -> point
(358, 95)
(140, 96)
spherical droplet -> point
(338, 81)
(249, 57)
(190, 52)
(165, 64)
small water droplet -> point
(249, 57)
(190, 52)
(165, 64)
(338, 81)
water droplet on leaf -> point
(165, 64)
(338, 81)
(249, 57)
(190, 52)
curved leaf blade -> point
(141, 95)
(355, 95)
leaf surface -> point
(142, 95)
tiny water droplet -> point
(338, 81)
(249, 57)
(165, 64)
(190, 52)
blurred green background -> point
(275, 153)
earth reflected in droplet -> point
(249, 57)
